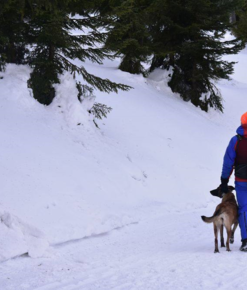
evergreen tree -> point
(55, 47)
(128, 36)
(12, 32)
(188, 36)
(240, 26)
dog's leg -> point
(229, 233)
(233, 231)
(222, 243)
(216, 249)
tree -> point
(12, 32)
(128, 35)
(188, 37)
(240, 25)
(55, 47)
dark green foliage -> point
(47, 37)
(83, 90)
(128, 36)
(41, 33)
(55, 48)
(188, 37)
(99, 111)
(41, 81)
(184, 36)
(240, 26)
(13, 31)
(2, 54)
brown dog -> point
(226, 214)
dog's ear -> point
(231, 188)
(216, 192)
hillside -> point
(154, 158)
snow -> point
(117, 207)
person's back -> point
(236, 158)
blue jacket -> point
(230, 155)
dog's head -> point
(217, 192)
(231, 188)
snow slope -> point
(119, 207)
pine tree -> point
(128, 36)
(240, 26)
(188, 36)
(12, 32)
(55, 48)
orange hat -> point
(244, 119)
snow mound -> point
(73, 181)
(18, 238)
(13, 84)
(67, 103)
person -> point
(235, 158)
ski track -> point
(165, 251)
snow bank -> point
(66, 102)
(14, 85)
(63, 178)
(18, 238)
(70, 180)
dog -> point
(225, 215)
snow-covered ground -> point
(115, 208)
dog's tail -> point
(211, 219)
